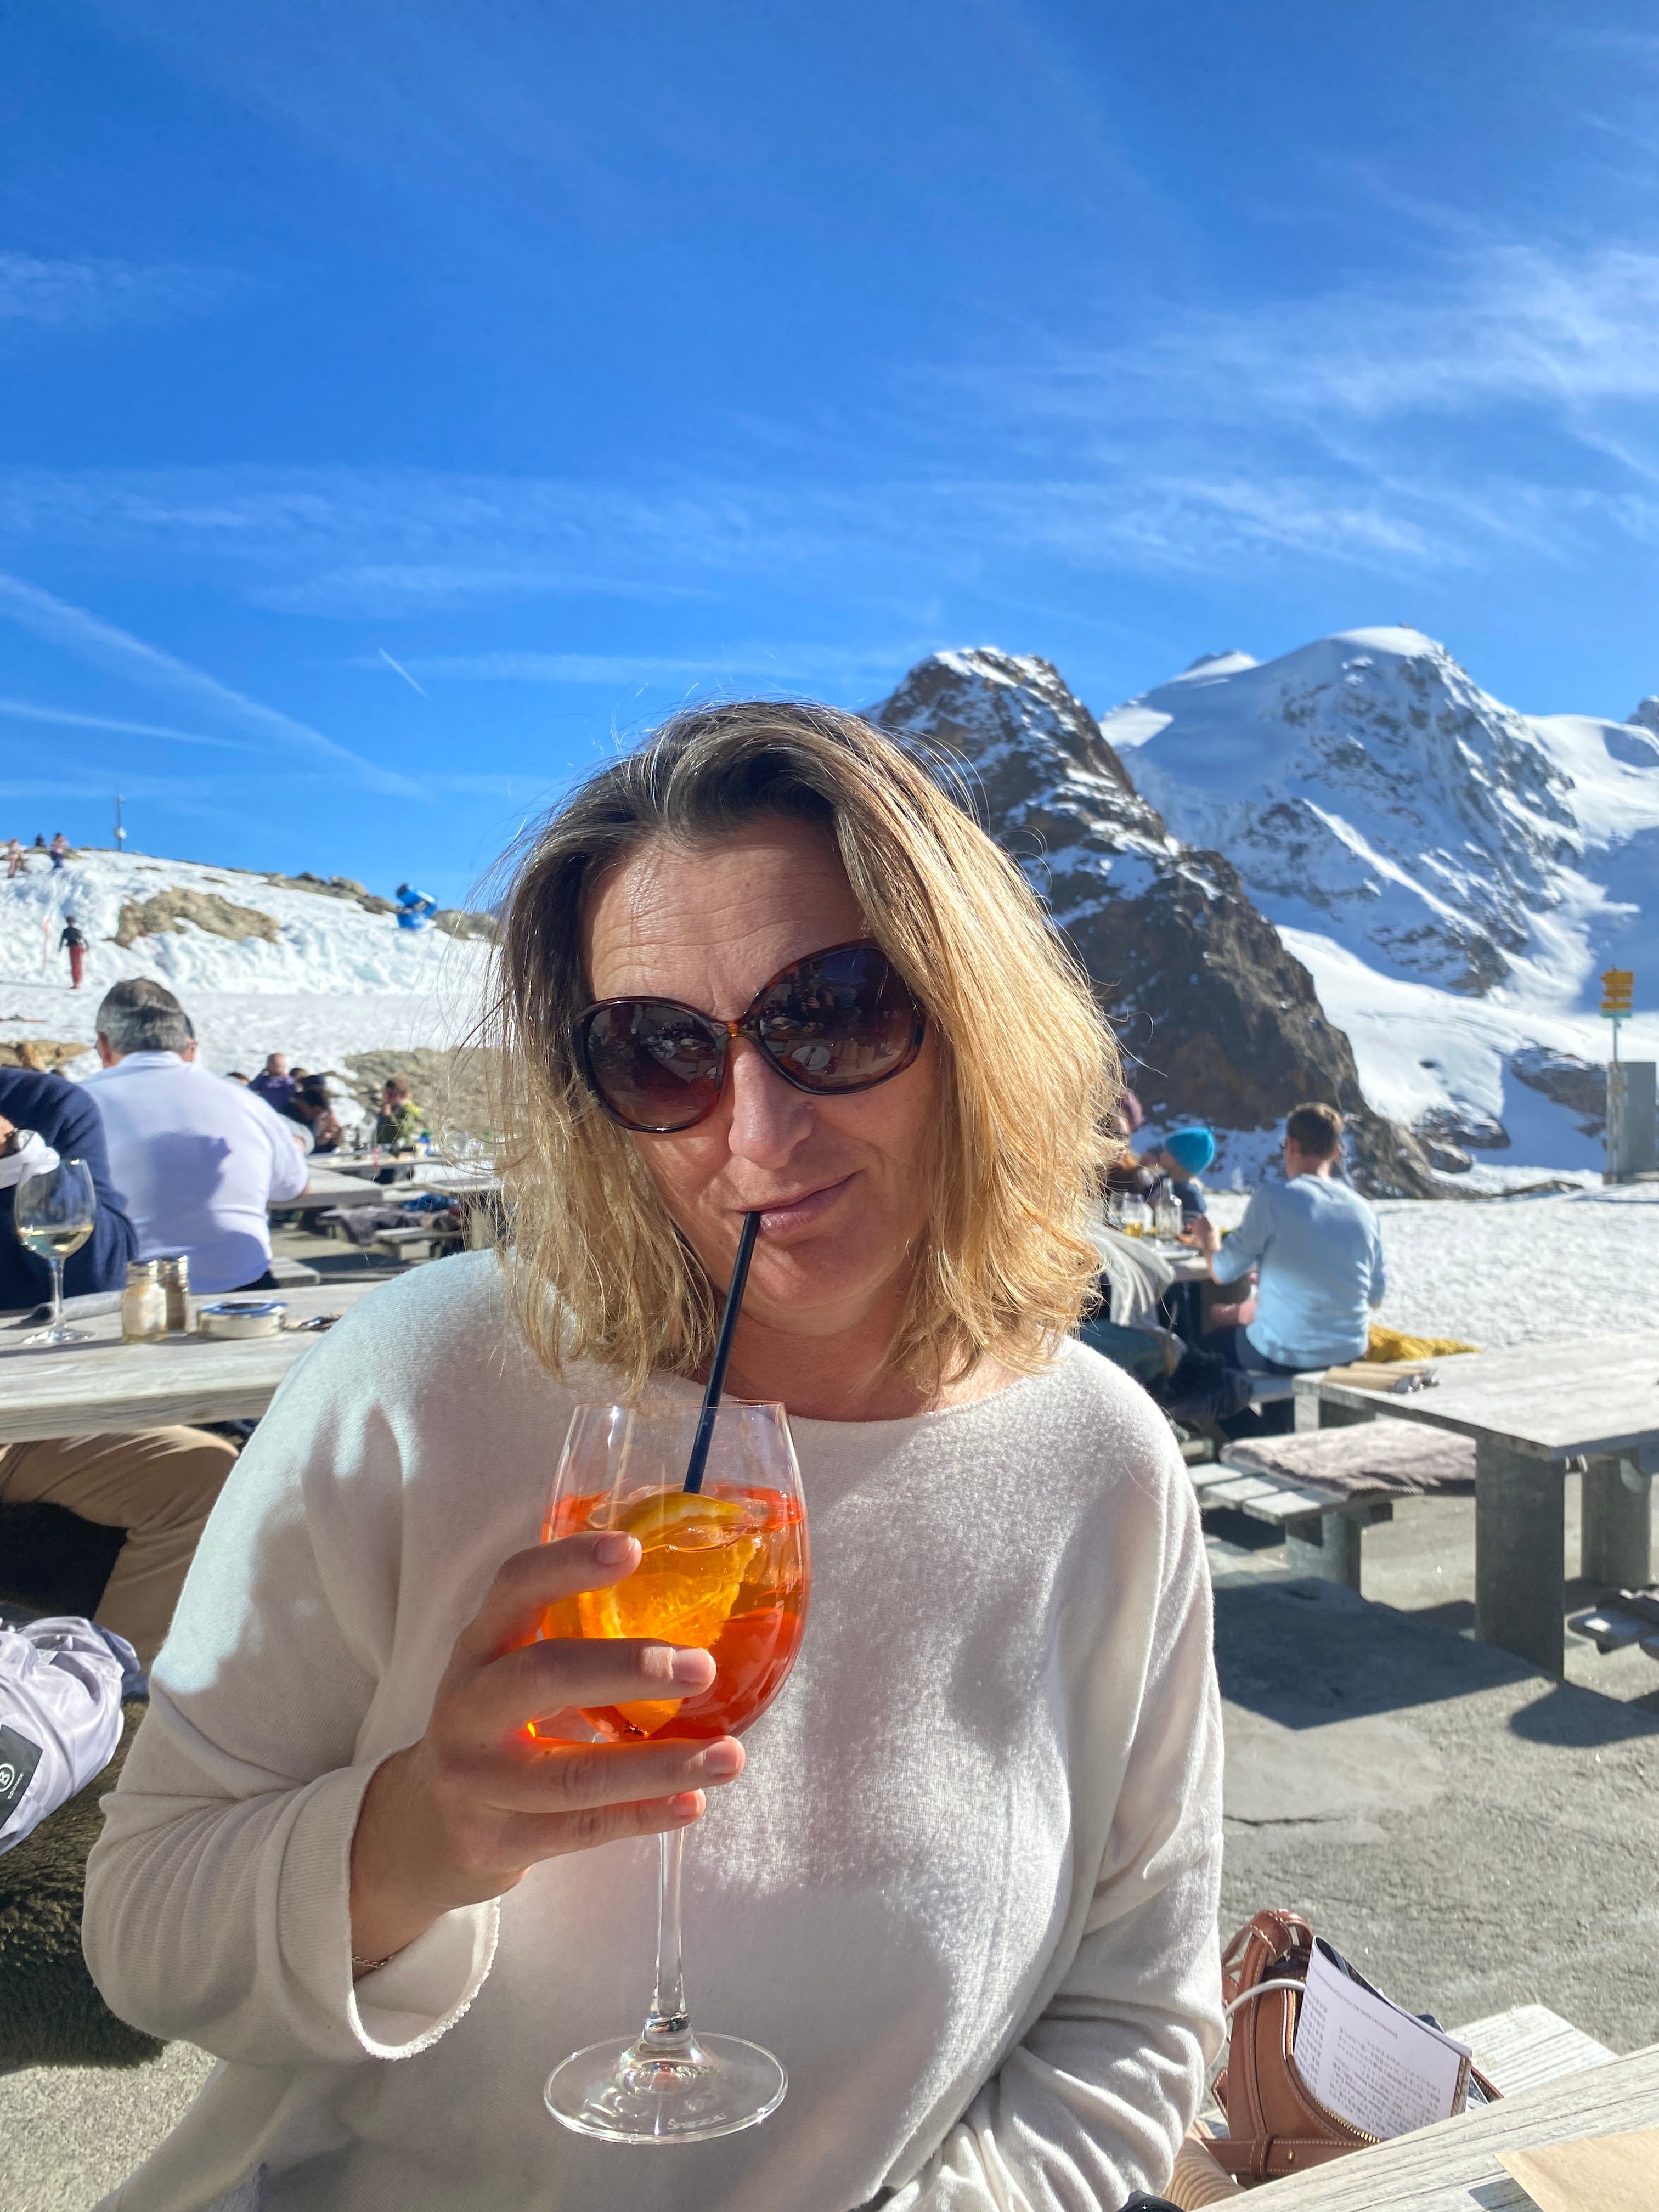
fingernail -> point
(687, 1805)
(692, 1666)
(721, 1758)
(614, 1550)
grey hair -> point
(139, 1016)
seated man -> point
(398, 1124)
(273, 1083)
(63, 1120)
(158, 1485)
(1318, 1252)
(197, 1159)
(1180, 1160)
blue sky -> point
(403, 402)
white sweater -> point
(966, 1889)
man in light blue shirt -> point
(1317, 1249)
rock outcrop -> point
(1216, 1019)
(166, 912)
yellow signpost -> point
(1617, 986)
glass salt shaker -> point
(175, 1287)
(143, 1304)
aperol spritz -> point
(725, 1568)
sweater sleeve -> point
(218, 1897)
(1245, 1247)
(1092, 2103)
(102, 1263)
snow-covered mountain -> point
(1454, 873)
(1216, 1017)
(262, 964)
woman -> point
(966, 1887)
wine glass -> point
(725, 1568)
(53, 1214)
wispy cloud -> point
(397, 669)
(25, 710)
(89, 638)
(89, 294)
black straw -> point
(711, 1397)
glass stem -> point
(668, 2021)
(56, 1267)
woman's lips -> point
(791, 1216)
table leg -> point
(1325, 1545)
(1615, 1524)
(1519, 1567)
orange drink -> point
(725, 1570)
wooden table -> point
(330, 1187)
(79, 1389)
(1453, 2167)
(1530, 1410)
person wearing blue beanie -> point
(1182, 1158)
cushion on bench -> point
(1405, 1457)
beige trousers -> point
(158, 1484)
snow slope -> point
(1454, 874)
(337, 979)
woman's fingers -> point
(577, 1778)
(539, 1679)
(533, 1838)
(527, 1583)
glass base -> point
(679, 2089)
(59, 1336)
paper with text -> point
(1375, 2066)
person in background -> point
(1129, 1173)
(63, 1120)
(314, 1110)
(1179, 1161)
(398, 1122)
(273, 1083)
(414, 906)
(158, 1484)
(198, 1160)
(59, 849)
(15, 861)
(1317, 1250)
(72, 942)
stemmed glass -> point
(725, 1568)
(53, 1214)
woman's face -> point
(838, 1181)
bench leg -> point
(1615, 1524)
(1519, 1567)
(1325, 1545)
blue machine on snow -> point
(414, 906)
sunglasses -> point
(838, 1021)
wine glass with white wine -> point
(53, 1215)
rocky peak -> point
(1365, 786)
(1216, 1018)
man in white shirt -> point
(198, 1159)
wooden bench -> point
(1322, 1528)
(1529, 2043)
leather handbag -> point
(1275, 2125)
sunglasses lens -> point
(655, 1065)
(839, 1021)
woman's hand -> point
(462, 1814)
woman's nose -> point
(769, 1117)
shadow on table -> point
(1304, 1653)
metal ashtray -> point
(241, 1317)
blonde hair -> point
(1027, 1069)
